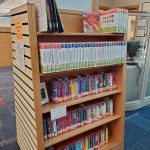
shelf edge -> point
(78, 34)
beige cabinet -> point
(5, 47)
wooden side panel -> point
(117, 128)
(72, 20)
(5, 47)
(26, 82)
(5, 29)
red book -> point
(63, 90)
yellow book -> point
(86, 147)
(72, 88)
(107, 135)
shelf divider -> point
(79, 34)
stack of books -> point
(114, 21)
(111, 21)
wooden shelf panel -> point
(5, 30)
(113, 144)
(47, 107)
(79, 130)
(79, 34)
(42, 75)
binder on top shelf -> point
(59, 22)
(53, 16)
(49, 18)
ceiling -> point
(6, 5)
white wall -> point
(146, 6)
(5, 21)
(81, 5)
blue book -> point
(48, 126)
(67, 86)
(80, 146)
(51, 8)
(58, 19)
(54, 90)
(96, 82)
(60, 87)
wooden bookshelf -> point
(29, 112)
(5, 47)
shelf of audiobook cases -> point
(51, 105)
(61, 57)
(79, 130)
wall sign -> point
(58, 112)
(18, 27)
(19, 48)
(19, 44)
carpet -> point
(137, 129)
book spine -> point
(53, 29)
(60, 27)
(48, 16)
(56, 57)
(45, 129)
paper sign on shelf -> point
(19, 44)
(58, 112)
(142, 22)
(20, 60)
(19, 30)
